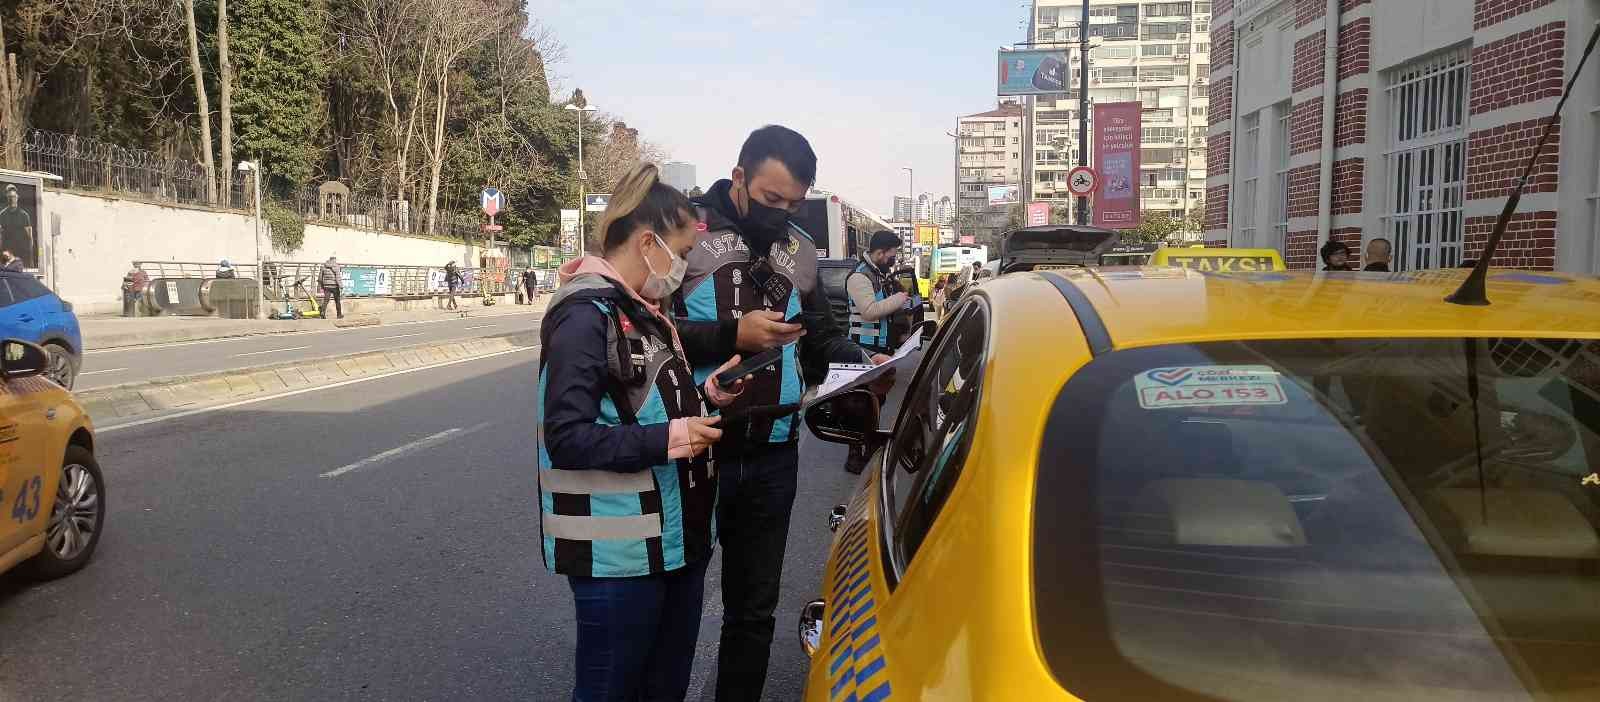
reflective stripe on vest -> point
(595, 482)
(863, 332)
(639, 526)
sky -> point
(874, 85)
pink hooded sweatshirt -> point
(677, 429)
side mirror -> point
(20, 359)
(851, 418)
(811, 618)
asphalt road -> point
(127, 365)
(230, 569)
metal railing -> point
(364, 280)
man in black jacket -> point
(749, 272)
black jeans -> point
(756, 484)
(338, 301)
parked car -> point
(1158, 484)
(52, 494)
(31, 312)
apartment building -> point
(988, 155)
(1411, 121)
(1155, 53)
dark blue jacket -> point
(611, 503)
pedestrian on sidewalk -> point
(225, 270)
(530, 282)
(329, 279)
(133, 285)
(10, 262)
(627, 484)
(452, 281)
(773, 273)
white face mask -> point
(657, 286)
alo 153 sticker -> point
(1208, 386)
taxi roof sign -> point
(1212, 260)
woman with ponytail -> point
(627, 470)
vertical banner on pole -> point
(1116, 154)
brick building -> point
(1405, 119)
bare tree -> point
(523, 57)
(453, 27)
(204, 103)
(391, 37)
(225, 80)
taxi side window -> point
(936, 428)
(6, 300)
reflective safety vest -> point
(871, 335)
(602, 523)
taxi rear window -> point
(1324, 520)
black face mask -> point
(762, 225)
(888, 265)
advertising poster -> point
(1035, 72)
(19, 219)
(359, 281)
(569, 232)
(1038, 214)
(927, 235)
(1006, 194)
(1116, 154)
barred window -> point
(1426, 160)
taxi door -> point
(886, 525)
(25, 499)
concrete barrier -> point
(108, 406)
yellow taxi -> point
(1219, 260)
(1161, 484)
(52, 494)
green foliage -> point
(1155, 227)
(279, 94)
(288, 229)
(1195, 221)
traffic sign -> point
(493, 228)
(1082, 181)
(493, 201)
(596, 202)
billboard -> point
(19, 219)
(1116, 154)
(1038, 214)
(569, 232)
(596, 202)
(1033, 72)
(927, 235)
(1005, 194)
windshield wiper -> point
(1472, 291)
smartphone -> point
(750, 365)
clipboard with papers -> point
(844, 377)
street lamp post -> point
(261, 278)
(583, 178)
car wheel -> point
(76, 518)
(63, 367)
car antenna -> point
(1472, 291)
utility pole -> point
(583, 177)
(1083, 106)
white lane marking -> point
(417, 445)
(397, 336)
(108, 370)
(226, 339)
(258, 353)
(302, 391)
(480, 326)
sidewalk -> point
(117, 332)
